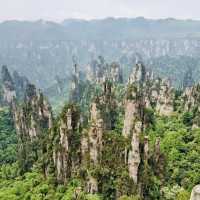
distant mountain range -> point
(42, 50)
(105, 29)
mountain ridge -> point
(98, 29)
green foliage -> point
(183, 195)
(188, 118)
(149, 116)
(180, 150)
(8, 139)
(180, 145)
(33, 186)
(175, 193)
(131, 91)
(129, 198)
(112, 173)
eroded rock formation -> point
(190, 101)
(95, 133)
(164, 105)
(95, 140)
(9, 93)
(98, 71)
(157, 93)
(13, 86)
(77, 142)
(34, 116)
(66, 145)
(191, 97)
(134, 119)
(195, 193)
(134, 153)
(145, 95)
(75, 84)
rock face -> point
(74, 147)
(130, 111)
(33, 120)
(164, 104)
(133, 121)
(144, 94)
(20, 83)
(34, 116)
(191, 97)
(95, 133)
(190, 101)
(146, 148)
(134, 154)
(9, 93)
(84, 147)
(98, 71)
(195, 193)
(77, 143)
(138, 75)
(75, 84)
(116, 73)
(64, 149)
(157, 93)
(109, 105)
(13, 86)
(92, 185)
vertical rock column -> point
(34, 116)
(95, 143)
(136, 103)
(133, 121)
(9, 93)
(195, 193)
(165, 99)
(134, 154)
(95, 134)
(61, 157)
(65, 152)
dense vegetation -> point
(168, 171)
(8, 138)
(180, 146)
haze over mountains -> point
(42, 50)
(105, 29)
(100, 110)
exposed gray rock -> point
(144, 93)
(63, 145)
(98, 71)
(9, 93)
(190, 101)
(195, 193)
(13, 86)
(133, 121)
(138, 75)
(134, 155)
(93, 142)
(95, 133)
(164, 104)
(146, 148)
(130, 111)
(32, 118)
(92, 185)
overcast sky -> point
(57, 10)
